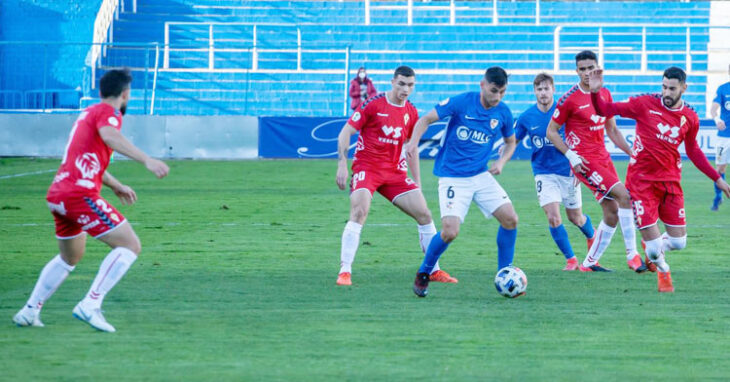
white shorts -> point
(553, 188)
(456, 195)
(723, 151)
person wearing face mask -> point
(361, 88)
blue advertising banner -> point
(313, 137)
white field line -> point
(27, 173)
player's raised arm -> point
(343, 146)
(114, 139)
(609, 109)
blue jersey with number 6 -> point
(546, 159)
(470, 135)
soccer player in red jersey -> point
(585, 149)
(75, 201)
(663, 122)
(385, 122)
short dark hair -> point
(404, 71)
(675, 73)
(114, 82)
(496, 75)
(586, 55)
(543, 77)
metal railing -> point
(43, 82)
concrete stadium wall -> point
(213, 137)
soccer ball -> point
(510, 282)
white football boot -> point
(92, 317)
(28, 317)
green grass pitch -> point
(236, 281)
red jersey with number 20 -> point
(86, 156)
(584, 127)
(384, 128)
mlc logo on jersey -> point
(466, 134)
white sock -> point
(50, 279)
(603, 236)
(628, 229)
(655, 252)
(426, 232)
(350, 241)
(112, 269)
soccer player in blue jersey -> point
(477, 121)
(554, 179)
(722, 158)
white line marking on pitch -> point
(27, 173)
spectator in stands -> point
(361, 88)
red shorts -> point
(655, 200)
(600, 178)
(78, 213)
(390, 184)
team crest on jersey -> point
(572, 140)
(494, 123)
(113, 121)
(682, 121)
(444, 102)
(406, 118)
(727, 105)
(356, 116)
(88, 164)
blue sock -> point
(435, 248)
(587, 228)
(718, 192)
(506, 239)
(560, 235)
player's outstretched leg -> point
(51, 277)
(628, 227)
(583, 222)
(360, 200)
(426, 233)
(604, 233)
(125, 249)
(506, 234)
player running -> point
(385, 123)
(478, 120)
(554, 180)
(585, 149)
(722, 158)
(663, 122)
(78, 209)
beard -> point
(669, 101)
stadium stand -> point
(300, 50)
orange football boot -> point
(441, 276)
(344, 279)
(664, 281)
(571, 264)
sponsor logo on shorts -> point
(382, 115)
(91, 225)
(681, 213)
(83, 219)
(114, 217)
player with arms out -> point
(478, 120)
(554, 180)
(586, 151)
(75, 201)
(385, 122)
(722, 120)
(663, 122)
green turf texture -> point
(236, 281)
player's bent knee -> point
(555, 221)
(653, 248)
(449, 234)
(677, 243)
